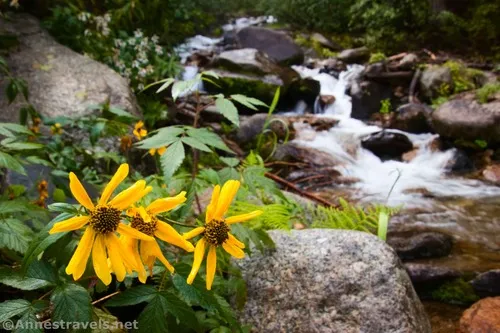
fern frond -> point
(275, 216)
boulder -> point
(409, 61)
(321, 280)
(366, 97)
(432, 80)
(464, 118)
(492, 174)
(295, 152)
(413, 118)
(277, 45)
(246, 61)
(325, 42)
(387, 144)
(427, 273)
(487, 284)
(358, 55)
(423, 245)
(482, 317)
(61, 82)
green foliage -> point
(481, 143)
(463, 78)
(385, 106)
(377, 57)
(455, 292)
(487, 91)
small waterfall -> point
(426, 172)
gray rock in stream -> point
(61, 82)
(424, 245)
(487, 284)
(433, 79)
(321, 280)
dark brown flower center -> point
(105, 219)
(216, 232)
(147, 228)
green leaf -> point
(11, 91)
(15, 235)
(121, 113)
(210, 73)
(230, 161)
(62, 207)
(183, 87)
(209, 138)
(242, 99)
(228, 110)
(8, 129)
(9, 162)
(163, 137)
(39, 275)
(133, 296)
(195, 143)
(71, 303)
(43, 240)
(383, 222)
(97, 131)
(274, 103)
(9, 309)
(153, 318)
(172, 159)
(13, 206)
(20, 145)
(28, 323)
(180, 310)
(165, 85)
(38, 160)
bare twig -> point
(106, 297)
(298, 190)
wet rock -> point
(358, 55)
(409, 156)
(387, 144)
(409, 61)
(487, 284)
(325, 42)
(482, 317)
(423, 245)
(413, 118)
(375, 69)
(492, 174)
(277, 45)
(464, 118)
(246, 61)
(427, 273)
(61, 82)
(320, 280)
(294, 152)
(460, 163)
(325, 100)
(432, 80)
(366, 97)
(201, 58)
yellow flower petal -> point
(152, 151)
(73, 223)
(243, 217)
(165, 204)
(211, 265)
(199, 252)
(78, 262)
(213, 204)
(233, 250)
(227, 195)
(124, 229)
(157, 252)
(100, 260)
(162, 150)
(128, 197)
(132, 245)
(119, 176)
(115, 255)
(144, 215)
(139, 125)
(79, 192)
(235, 241)
(147, 255)
(168, 234)
(193, 233)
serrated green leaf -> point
(133, 296)
(162, 138)
(39, 275)
(210, 73)
(153, 318)
(165, 85)
(62, 207)
(195, 143)
(28, 323)
(121, 113)
(249, 102)
(184, 87)
(180, 310)
(9, 162)
(9, 309)
(20, 145)
(71, 303)
(230, 161)
(8, 129)
(15, 235)
(228, 110)
(172, 159)
(38, 160)
(209, 138)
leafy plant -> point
(484, 93)
(385, 106)
(377, 57)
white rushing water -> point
(426, 172)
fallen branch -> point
(413, 85)
(298, 190)
(397, 56)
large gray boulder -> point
(277, 45)
(464, 118)
(434, 79)
(320, 280)
(246, 60)
(61, 82)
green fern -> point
(348, 216)
(275, 216)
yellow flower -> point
(56, 129)
(103, 220)
(216, 231)
(139, 130)
(145, 221)
(160, 151)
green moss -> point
(385, 106)
(249, 87)
(456, 292)
(376, 57)
(463, 78)
(488, 90)
(316, 46)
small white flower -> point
(136, 64)
(140, 86)
(155, 39)
(107, 17)
(138, 33)
(131, 41)
(143, 72)
(87, 32)
(158, 50)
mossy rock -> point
(456, 291)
